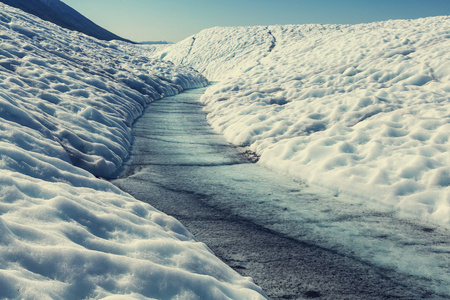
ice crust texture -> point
(362, 110)
(67, 103)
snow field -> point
(67, 103)
(362, 110)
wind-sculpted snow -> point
(67, 103)
(79, 92)
(360, 109)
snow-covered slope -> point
(80, 93)
(67, 103)
(362, 110)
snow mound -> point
(362, 109)
(67, 103)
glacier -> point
(358, 110)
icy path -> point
(294, 242)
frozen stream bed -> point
(294, 241)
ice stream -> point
(295, 241)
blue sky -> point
(174, 20)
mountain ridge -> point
(61, 14)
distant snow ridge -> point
(68, 101)
(359, 109)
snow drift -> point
(67, 103)
(362, 110)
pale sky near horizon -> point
(174, 20)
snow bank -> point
(79, 92)
(67, 102)
(359, 109)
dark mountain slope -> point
(63, 15)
